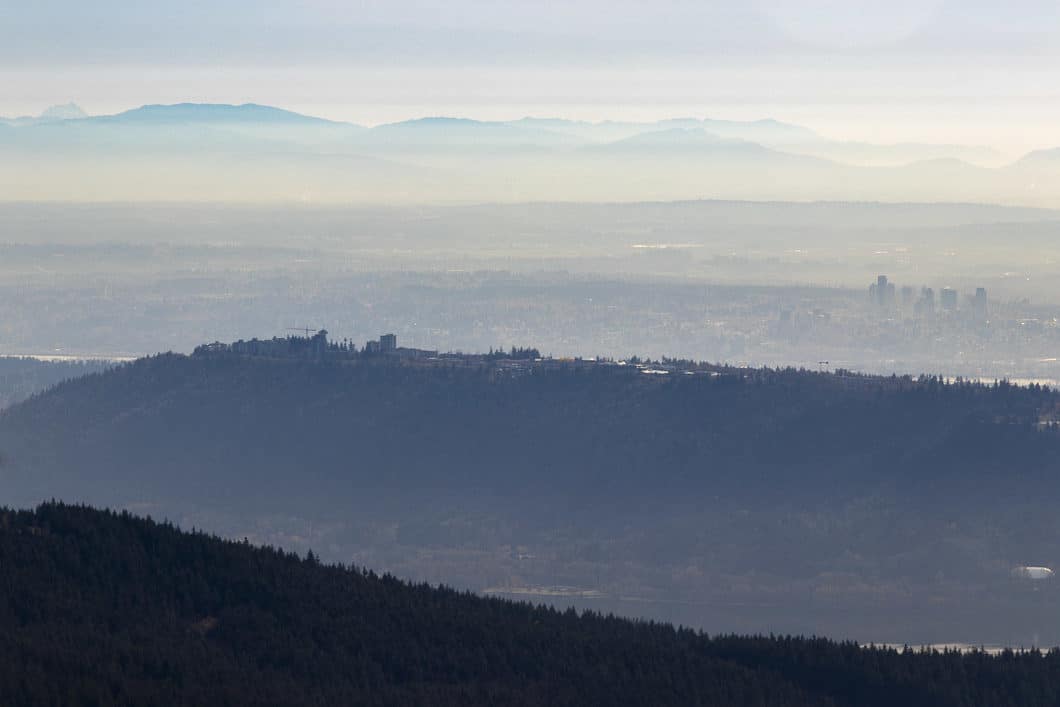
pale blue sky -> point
(970, 70)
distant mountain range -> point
(525, 131)
(248, 113)
(252, 152)
(67, 111)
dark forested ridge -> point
(21, 377)
(108, 609)
(586, 430)
(746, 500)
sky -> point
(930, 70)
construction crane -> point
(305, 329)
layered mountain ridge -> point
(253, 152)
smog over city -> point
(504, 353)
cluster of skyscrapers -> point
(883, 294)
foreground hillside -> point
(870, 508)
(106, 609)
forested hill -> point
(244, 427)
(735, 500)
(106, 609)
(21, 377)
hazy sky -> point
(968, 70)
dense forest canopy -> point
(21, 377)
(581, 431)
(872, 508)
(109, 609)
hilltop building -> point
(386, 345)
(314, 346)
